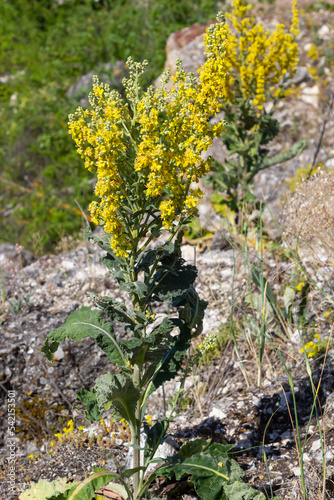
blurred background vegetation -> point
(46, 46)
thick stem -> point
(135, 431)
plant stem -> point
(135, 436)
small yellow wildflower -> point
(52, 443)
(300, 285)
(220, 464)
(81, 428)
(148, 419)
(31, 457)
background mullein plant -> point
(259, 68)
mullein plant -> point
(259, 67)
(147, 155)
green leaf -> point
(210, 470)
(168, 286)
(196, 446)
(86, 489)
(154, 436)
(173, 358)
(115, 310)
(43, 489)
(111, 349)
(131, 472)
(88, 398)
(104, 244)
(192, 312)
(290, 153)
(215, 475)
(136, 287)
(147, 259)
(115, 267)
(242, 491)
(120, 391)
(83, 323)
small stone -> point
(310, 95)
(296, 471)
(330, 163)
(323, 31)
(316, 445)
(217, 413)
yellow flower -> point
(149, 419)
(81, 428)
(220, 464)
(155, 149)
(300, 285)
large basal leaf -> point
(193, 447)
(242, 491)
(44, 489)
(83, 323)
(120, 391)
(211, 471)
(86, 489)
(88, 398)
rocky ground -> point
(38, 295)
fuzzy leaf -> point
(192, 447)
(120, 391)
(168, 286)
(82, 323)
(192, 312)
(115, 310)
(290, 153)
(44, 489)
(86, 489)
(210, 470)
(242, 491)
(155, 435)
(173, 358)
(104, 244)
(111, 349)
(115, 267)
(88, 398)
(147, 259)
(137, 287)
